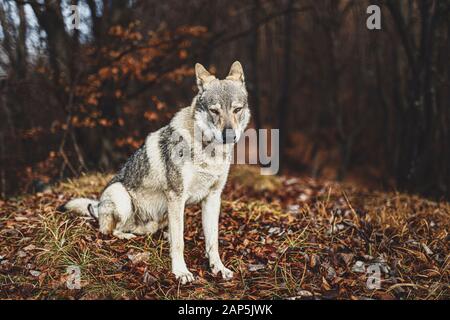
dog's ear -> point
(203, 76)
(236, 72)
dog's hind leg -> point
(140, 230)
(123, 235)
(114, 211)
(147, 229)
(106, 216)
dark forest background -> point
(368, 106)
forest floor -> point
(284, 237)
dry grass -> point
(284, 237)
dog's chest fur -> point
(192, 179)
(202, 179)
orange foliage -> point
(129, 141)
(130, 57)
(151, 115)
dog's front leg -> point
(210, 221)
(176, 226)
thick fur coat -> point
(183, 163)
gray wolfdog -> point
(185, 162)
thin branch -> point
(220, 39)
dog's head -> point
(221, 109)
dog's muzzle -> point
(228, 135)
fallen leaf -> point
(255, 267)
(138, 257)
(29, 247)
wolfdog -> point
(184, 162)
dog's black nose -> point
(228, 135)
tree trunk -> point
(283, 106)
(21, 47)
(254, 60)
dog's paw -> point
(185, 276)
(227, 274)
(123, 235)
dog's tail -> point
(83, 206)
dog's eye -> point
(214, 111)
(237, 110)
